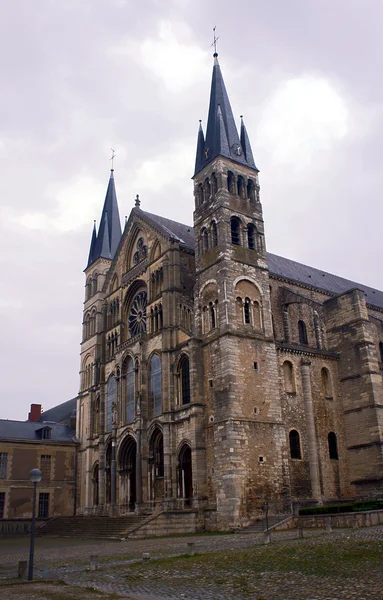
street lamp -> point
(35, 476)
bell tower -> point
(233, 317)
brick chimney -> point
(35, 413)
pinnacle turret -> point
(222, 137)
(92, 245)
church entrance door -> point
(185, 474)
(127, 472)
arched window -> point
(185, 478)
(231, 182)
(251, 237)
(295, 445)
(94, 283)
(111, 397)
(199, 194)
(247, 311)
(184, 375)
(130, 390)
(160, 317)
(251, 190)
(326, 383)
(214, 234)
(288, 377)
(137, 314)
(214, 184)
(333, 446)
(241, 186)
(157, 447)
(155, 385)
(207, 189)
(205, 240)
(302, 330)
(212, 315)
(235, 231)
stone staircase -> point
(92, 527)
(260, 526)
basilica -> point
(216, 376)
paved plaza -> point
(340, 565)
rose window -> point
(137, 315)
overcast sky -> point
(79, 77)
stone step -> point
(260, 526)
(91, 526)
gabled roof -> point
(170, 229)
(62, 412)
(222, 137)
(31, 431)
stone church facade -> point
(216, 376)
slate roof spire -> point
(92, 244)
(105, 244)
(221, 133)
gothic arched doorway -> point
(185, 475)
(156, 462)
(127, 472)
(95, 480)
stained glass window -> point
(137, 315)
(155, 385)
(130, 377)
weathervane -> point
(215, 40)
(112, 157)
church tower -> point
(90, 409)
(246, 454)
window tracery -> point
(137, 314)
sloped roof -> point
(28, 431)
(171, 229)
(221, 133)
(109, 232)
(297, 272)
(59, 413)
(278, 265)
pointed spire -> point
(103, 238)
(245, 143)
(215, 142)
(221, 137)
(200, 149)
(109, 233)
(92, 244)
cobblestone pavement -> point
(342, 565)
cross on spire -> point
(112, 158)
(215, 40)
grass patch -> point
(303, 557)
